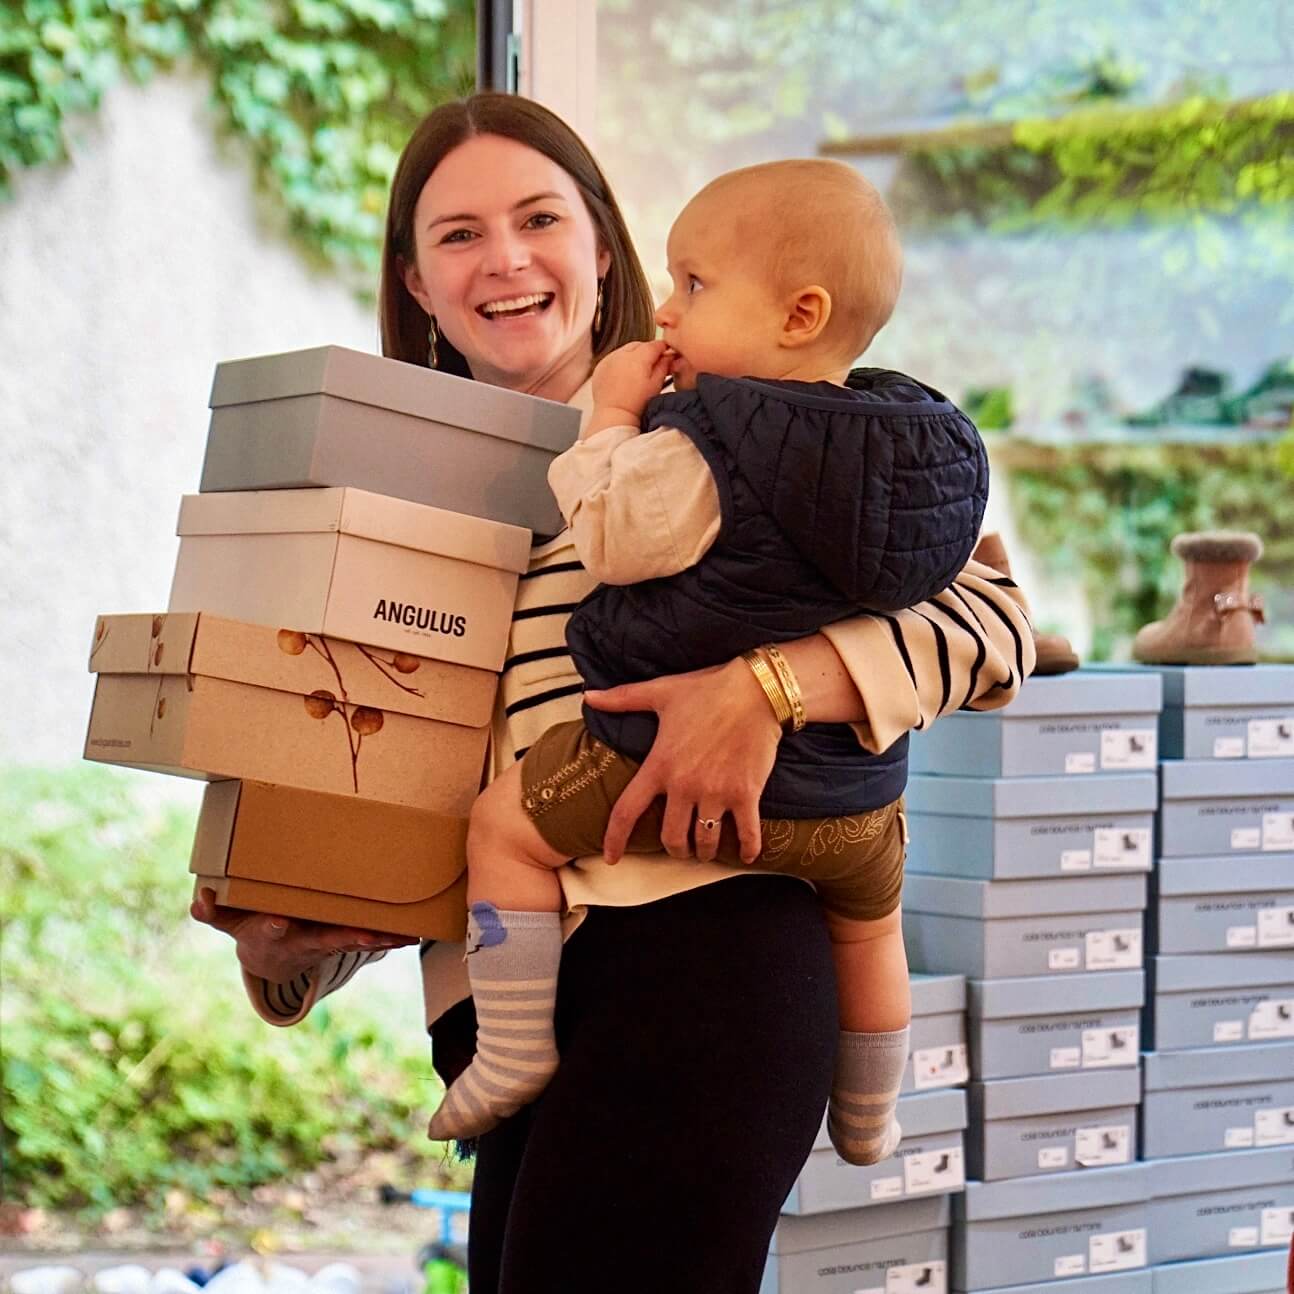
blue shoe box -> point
(1031, 827)
(1211, 1205)
(1219, 1000)
(1217, 1098)
(938, 1046)
(1213, 807)
(1223, 904)
(899, 1247)
(1262, 1273)
(1040, 1229)
(999, 929)
(930, 1160)
(1226, 712)
(1037, 1025)
(1078, 723)
(1024, 1127)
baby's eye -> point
(693, 284)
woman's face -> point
(507, 259)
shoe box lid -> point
(938, 994)
(1222, 874)
(1187, 973)
(1031, 797)
(1018, 1098)
(1225, 685)
(1221, 1171)
(1217, 1066)
(1262, 1273)
(959, 896)
(1043, 995)
(1089, 1188)
(800, 1233)
(1212, 779)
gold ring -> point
(708, 823)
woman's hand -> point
(713, 754)
(280, 948)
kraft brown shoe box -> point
(333, 858)
(200, 696)
(353, 565)
(330, 416)
(1069, 725)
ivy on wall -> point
(1106, 513)
(324, 92)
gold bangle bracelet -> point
(790, 685)
(767, 680)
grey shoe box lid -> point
(1138, 1282)
(1013, 1098)
(1225, 779)
(1086, 691)
(1089, 1188)
(799, 1234)
(1262, 1273)
(1192, 972)
(1206, 685)
(1223, 1171)
(937, 994)
(1225, 874)
(1217, 1066)
(404, 388)
(1031, 797)
(921, 1114)
(959, 896)
(990, 999)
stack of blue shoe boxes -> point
(884, 1229)
(1218, 1106)
(1032, 838)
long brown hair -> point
(627, 312)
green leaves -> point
(359, 74)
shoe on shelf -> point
(1198, 401)
(1055, 655)
(1213, 621)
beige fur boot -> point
(1055, 655)
(1213, 621)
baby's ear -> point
(806, 316)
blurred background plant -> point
(134, 1074)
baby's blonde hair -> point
(819, 222)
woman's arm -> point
(972, 646)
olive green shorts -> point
(571, 781)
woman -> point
(695, 1020)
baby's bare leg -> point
(875, 1008)
(514, 944)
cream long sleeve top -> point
(644, 505)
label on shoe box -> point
(933, 1170)
(1122, 847)
(1272, 1019)
(939, 1067)
(1277, 831)
(1128, 748)
(1274, 1127)
(1113, 949)
(1117, 1251)
(1271, 738)
(1097, 1147)
(1275, 928)
(1277, 1226)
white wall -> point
(124, 277)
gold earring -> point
(597, 309)
(433, 359)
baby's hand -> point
(629, 377)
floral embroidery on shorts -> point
(835, 834)
(590, 765)
(779, 834)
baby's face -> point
(722, 316)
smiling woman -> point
(505, 243)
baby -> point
(773, 492)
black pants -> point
(697, 1036)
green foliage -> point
(325, 92)
(1107, 514)
(133, 1064)
(1111, 165)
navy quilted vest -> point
(834, 502)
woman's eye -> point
(541, 220)
(458, 236)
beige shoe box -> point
(200, 696)
(333, 858)
(331, 416)
(353, 565)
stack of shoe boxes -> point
(339, 613)
(884, 1229)
(1032, 834)
(1218, 1107)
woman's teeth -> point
(511, 307)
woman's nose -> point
(506, 254)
